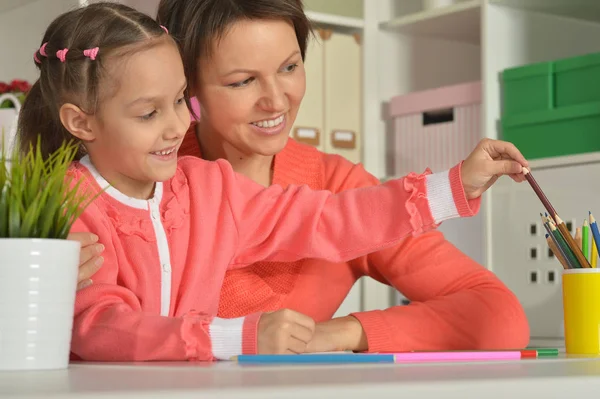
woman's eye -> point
(290, 68)
(148, 116)
(242, 83)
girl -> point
(112, 78)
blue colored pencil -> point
(316, 358)
(595, 232)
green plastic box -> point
(558, 132)
(553, 108)
(549, 85)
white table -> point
(545, 378)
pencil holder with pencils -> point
(578, 256)
(581, 307)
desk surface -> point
(545, 378)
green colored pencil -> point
(585, 240)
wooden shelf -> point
(588, 10)
(458, 22)
(7, 5)
(336, 22)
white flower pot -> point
(8, 121)
(38, 280)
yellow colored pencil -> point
(594, 256)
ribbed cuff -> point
(441, 199)
(464, 207)
(376, 329)
(447, 198)
(226, 337)
(250, 334)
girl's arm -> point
(456, 303)
(110, 325)
(286, 225)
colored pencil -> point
(566, 249)
(545, 351)
(585, 240)
(571, 242)
(595, 232)
(316, 358)
(536, 188)
(578, 239)
(462, 356)
(556, 251)
(594, 255)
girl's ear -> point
(77, 122)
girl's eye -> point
(148, 116)
(242, 83)
(290, 68)
(180, 101)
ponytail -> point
(37, 118)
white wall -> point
(21, 32)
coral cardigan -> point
(455, 302)
(157, 294)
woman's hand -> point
(284, 332)
(90, 260)
(488, 161)
(339, 334)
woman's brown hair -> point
(196, 24)
(76, 78)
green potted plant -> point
(38, 265)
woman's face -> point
(251, 86)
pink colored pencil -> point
(455, 356)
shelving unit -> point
(408, 49)
(458, 22)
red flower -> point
(20, 86)
(4, 88)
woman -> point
(244, 62)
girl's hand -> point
(90, 260)
(339, 334)
(284, 332)
(488, 161)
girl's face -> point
(139, 128)
(251, 86)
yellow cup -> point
(581, 307)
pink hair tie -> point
(43, 49)
(62, 54)
(91, 53)
(35, 57)
(165, 29)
